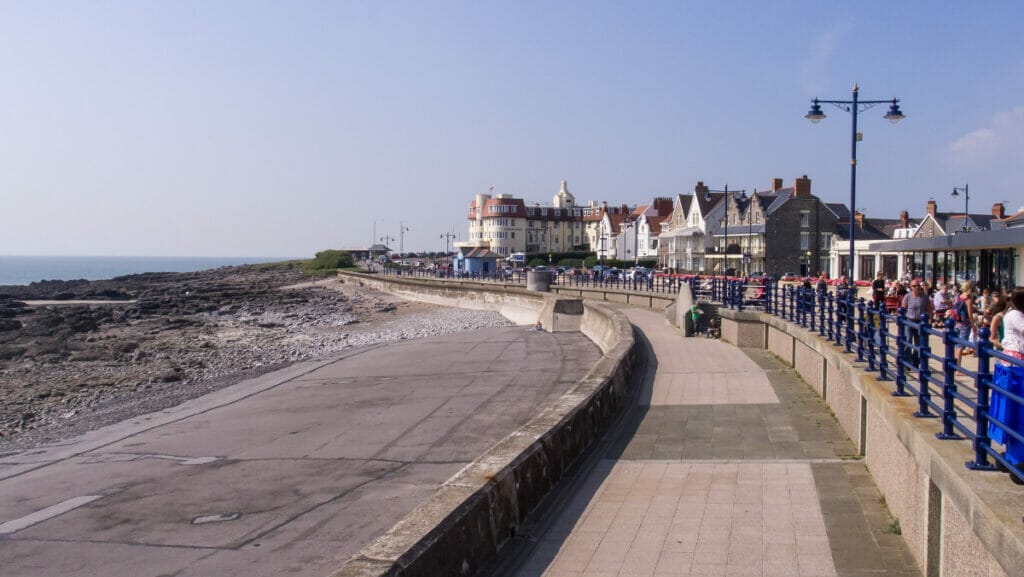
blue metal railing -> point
(899, 349)
(657, 284)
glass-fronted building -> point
(990, 258)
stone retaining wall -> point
(460, 528)
(954, 520)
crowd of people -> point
(969, 308)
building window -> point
(805, 218)
(805, 240)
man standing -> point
(878, 288)
(915, 302)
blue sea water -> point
(22, 270)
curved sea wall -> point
(461, 527)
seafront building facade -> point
(774, 231)
(509, 225)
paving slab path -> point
(728, 465)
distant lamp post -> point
(728, 193)
(374, 239)
(402, 229)
(854, 107)
(967, 198)
(448, 236)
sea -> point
(23, 270)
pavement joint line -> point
(858, 459)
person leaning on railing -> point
(1013, 326)
(916, 303)
(965, 324)
(994, 317)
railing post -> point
(901, 349)
(791, 296)
(861, 306)
(883, 346)
(869, 334)
(924, 371)
(851, 325)
(820, 299)
(982, 442)
(831, 317)
(741, 293)
(949, 369)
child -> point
(712, 329)
(695, 314)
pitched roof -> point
(481, 252)
(685, 201)
(706, 204)
(616, 219)
(954, 221)
(1014, 220)
(839, 209)
(872, 230)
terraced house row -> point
(774, 231)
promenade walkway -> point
(728, 465)
(287, 474)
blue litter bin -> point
(1008, 412)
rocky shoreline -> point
(146, 342)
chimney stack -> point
(700, 189)
(776, 184)
(904, 219)
(931, 207)
(802, 187)
(859, 218)
(999, 211)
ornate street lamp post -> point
(854, 107)
(967, 198)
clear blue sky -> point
(282, 128)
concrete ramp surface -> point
(290, 477)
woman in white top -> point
(1013, 326)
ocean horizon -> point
(24, 270)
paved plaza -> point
(728, 465)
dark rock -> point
(9, 325)
(8, 352)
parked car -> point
(789, 276)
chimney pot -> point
(802, 187)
